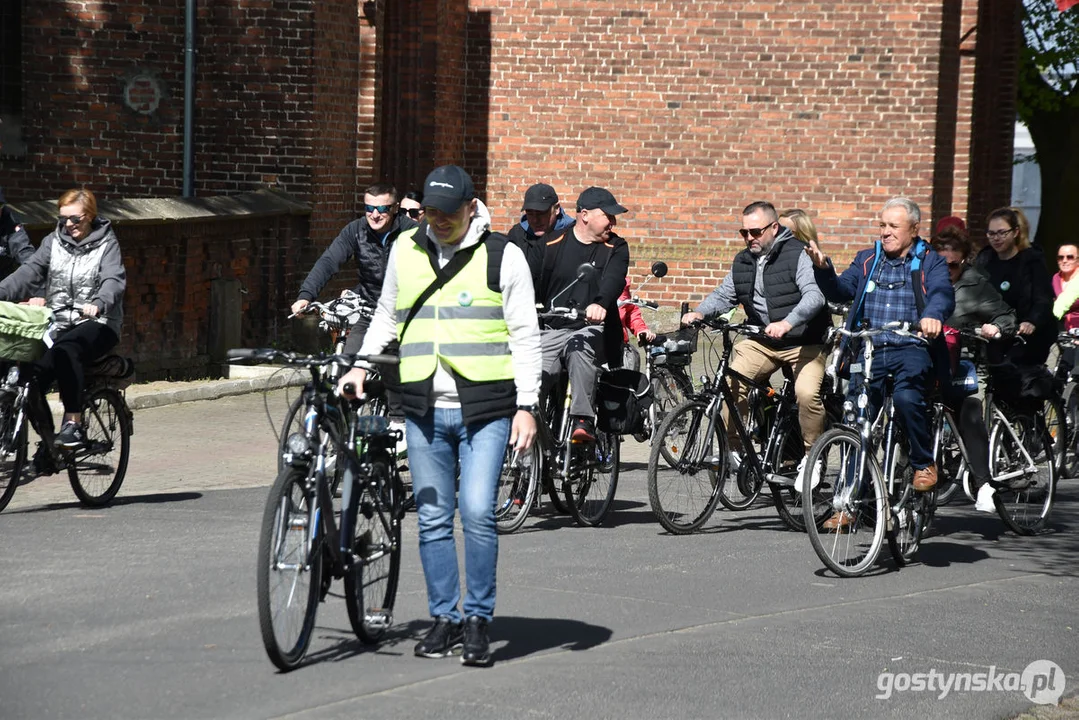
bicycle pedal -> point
(378, 620)
(783, 480)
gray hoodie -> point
(75, 273)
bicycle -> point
(586, 473)
(684, 496)
(306, 540)
(856, 471)
(97, 468)
(1069, 398)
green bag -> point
(22, 331)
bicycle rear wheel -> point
(517, 488)
(741, 491)
(13, 447)
(684, 494)
(593, 478)
(289, 580)
(96, 470)
(849, 542)
(371, 582)
(786, 455)
(1056, 425)
(1071, 416)
(1026, 501)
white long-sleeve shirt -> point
(518, 309)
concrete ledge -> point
(159, 394)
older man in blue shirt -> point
(899, 279)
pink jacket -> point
(632, 321)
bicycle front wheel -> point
(851, 487)
(289, 580)
(1029, 487)
(371, 583)
(517, 488)
(684, 493)
(593, 478)
(669, 390)
(1056, 425)
(96, 470)
(13, 444)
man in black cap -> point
(584, 343)
(542, 217)
(460, 301)
(15, 247)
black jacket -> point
(356, 240)
(15, 247)
(1025, 284)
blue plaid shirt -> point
(892, 299)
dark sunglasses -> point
(380, 208)
(73, 219)
(413, 213)
(755, 232)
(955, 265)
(1065, 257)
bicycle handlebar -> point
(638, 302)
(903, 329)
(258, 356)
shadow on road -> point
(149, 499)
(525, 635)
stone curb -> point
(210, 389)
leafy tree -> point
(1048, 103)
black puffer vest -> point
(780, 290)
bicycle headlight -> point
(297, 445)
(863, 401)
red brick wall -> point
(688, 111)
(277, 87)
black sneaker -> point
(477, 646)
(584, 431)
(71, 436)
(43, 464)
(442, 640)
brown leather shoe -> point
(841, 519)
(925, 479)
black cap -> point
(597, 197)
(447, 188)
(540, 196)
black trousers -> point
(66, 360)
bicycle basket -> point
(22, 329)
(622, 401)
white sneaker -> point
(801, 471)
(985, 503)
(402, 445)
(735, 460)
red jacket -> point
(632, 322)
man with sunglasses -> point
(900, 278)
(772, 279)
(368, 240)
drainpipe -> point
(189, 96)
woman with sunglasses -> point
(412, 205)
(1066, 286)
(1018, 273)
(84, 279)
(977, 306)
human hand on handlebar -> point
(778, 329)
(354, 377)
(930, 327)
(990, 331)
(299, 306)
(36, 302)
(691, 317)
(645, 337)
(1025, 328)
(595, 313)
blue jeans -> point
(437, 442)
(912, 369)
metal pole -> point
(189, 97)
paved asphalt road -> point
(147, 609)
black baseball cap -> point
(597, 197)
(540, 196)
(447, 188)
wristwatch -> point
(528, 408)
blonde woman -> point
(798, 222)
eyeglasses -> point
(892, 285)
(413, 213)
(1065, 257)
(755, 232)
(955, 265)
(72, 219)
(994, 234)
(382, 209)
